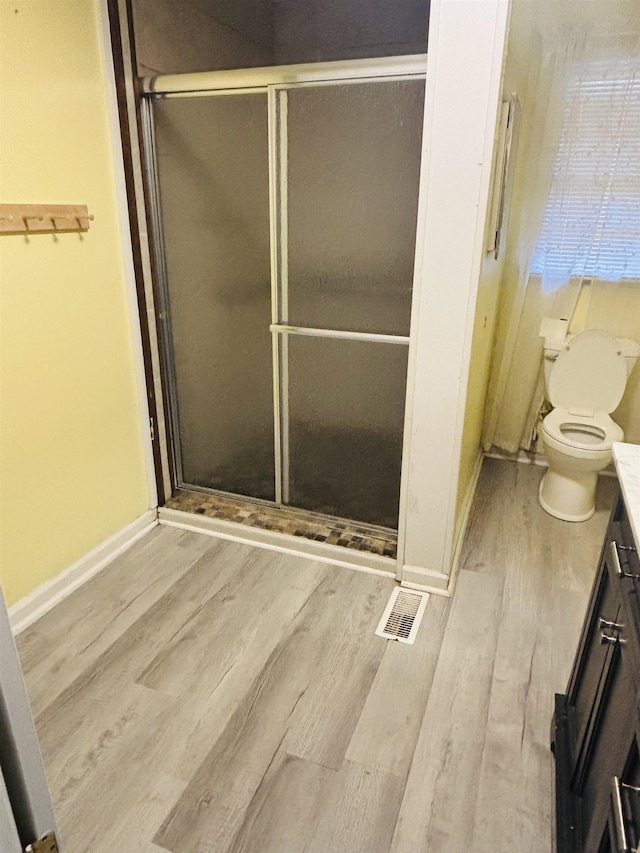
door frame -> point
(274, 83)
(461, 116)
(24, 794)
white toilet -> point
(585, 377)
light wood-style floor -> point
(202, 696)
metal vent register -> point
(402, 615)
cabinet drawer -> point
(591, 665)
(607, 745)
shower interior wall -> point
(180, 36)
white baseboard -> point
(525, 458)
(30, 608)
(427, 580)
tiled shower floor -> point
(293, 522)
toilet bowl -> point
(585, 382)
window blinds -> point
(591, 223)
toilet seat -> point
(589, 375)
(584, 433)
(585, 383)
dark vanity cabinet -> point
(596, 726)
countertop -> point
(627, 462)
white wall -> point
(460, 122)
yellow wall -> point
(545, 37)
(71, 454)
(520, 76)
(482, 344)
(481, 349)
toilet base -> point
(568, 498)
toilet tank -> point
(556, 338)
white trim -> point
(24, 770)
(275, 257)
(343, 334)
(425, 587)
(415, 577)
(282, 310)
(243, 78)
(454, 195)
(272, 540)
(108, 74)
(8, 830)
(523, 457)
(30, 608)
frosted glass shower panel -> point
(352, 196)
(212, 162)
(345, 419)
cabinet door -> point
(606, 746)
(606, 845)
(590, 670)
(610, 732)
(599, 717)
(624, 567)
(622, 831)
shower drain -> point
(402, 615)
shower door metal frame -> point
(275, 82)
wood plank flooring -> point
(203, 696)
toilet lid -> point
(590, 374)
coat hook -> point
(62, 223)
(43, 218)
(28, 219)
(83, 222)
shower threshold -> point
(288, 520)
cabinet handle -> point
(622, 845)
(615, 559)
(615, 626)
(618, 817)
(606, 638)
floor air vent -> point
(402, 615)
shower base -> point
(294, 522)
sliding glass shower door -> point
(288, 223)
(213, 188)
(349, 204)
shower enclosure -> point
(285, 239)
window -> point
(591, 223)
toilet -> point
(585, 377)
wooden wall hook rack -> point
(43, 218)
